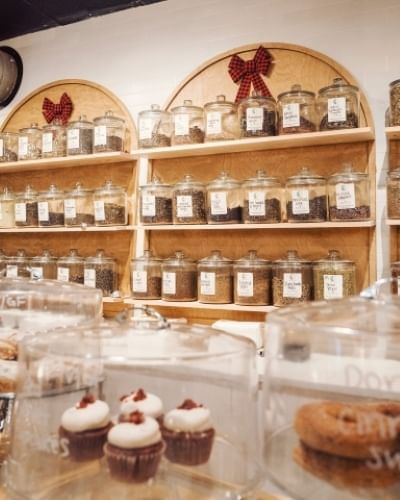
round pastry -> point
(188, 434)
(149, 404)
(84, 429)
(349, 430)
(134, 448)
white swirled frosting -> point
(151, 405)
(128, 435)
(93, 416)
(193, 420)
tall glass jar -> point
(70, 267)
(188, 124)
(110, 205)
(189, 202)
(349, 196)
(30, 143)
(393, 194)
(252, 280)
(100, 271)
(17, 266)
(80, 137)
(306, 197)
(221, 120)
(155, 203)
(146, 277)
(155, 127)
(257, 116)
(339, 106)
(292, 280)
(26, 208)
(224, 200)
(262, 199)
(109, 133)
(3, 263)
(296, 111)
(215, 279)
(334, 277)
(8, 146)
(7, 208)
(79, 207)
(44, 266)
(394, 90)
(179, 278)
(54, 140)
(395, 273)
(51, 207)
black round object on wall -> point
(10, 74)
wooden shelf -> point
(393, 222)
(89, 229)
(198, 305)
(393, 133)
(283, 225)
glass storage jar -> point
(292, 280)
(224, 200)
(214, 279)
(189, 202)
(155, 203)
(109, 133)
(146, 277)
(71, 267)
(306, 197)
(296, 111)
(8, 146)
(155, 127)
(179, 278)
(394, 90)
(80, 137)
(395, 273)
(252, 280)
(30, 143)
(262, 199)
(26, 208)
(221, 120)
(18, 265)
(334, 277)
(110, 205)
(7, 208)
(257, 116)
(44, 266)
(51, 207)
(79, 207)
(100, 271)
(349, 196)
(339, 106)
(54, 140)
(3, 263)
(393, 194)
(188, 124)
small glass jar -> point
(394, 90)
(221, 120)
(30, 143)
(224, 200)
(100, 272)
(306, 197)
(51, 207)
(214, 279)
(26, 208)
(146, 277)
(252, 280)
(155, 203)
(70, 267)
(3, 263)
(334, 278)
(395, 273)
(179, 278)
(18, 265)
(155, 127)
(54, 140)
(257, 116)
(109, 133)
(262, 199)
(79, 207)
(339, 106)
(188, 124)
(80, 137)
(292, 280)
(8, 146)
(296, 111)
(44, 266)
(110, 205)
(349, 196)
(7, 208)
(393, 194)
(189, 202)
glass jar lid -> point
(394, 174)
(45, 258)
(29, 130)
(338, 85)
(333, 257)
(189, 183)
(154, 110)
(9, 134)
(292, 259)
(81, 122)
(155, 183)
(224, 180)
(56, 124)
(100, 258)
(187, 107)
(179, 259)
(251, 259)
(221, 103)
(109, 119)
(53, 192)
(347, 175)
(109, 188)
(19, 257)
(215, 259)
(261, 179)
(7, 195)
(296, 91)
(305, 176)
(257, 99)
(79, 191)
(147, 257)
(72, 257)
(29, 193)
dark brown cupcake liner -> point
(188, 448)
(86, 445)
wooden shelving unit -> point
(199, 305)
(393, 141)
(89, 229)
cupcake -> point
(84, 429)
(149, 404)
(134, 448)
(188, 434)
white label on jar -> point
(245, 285)
(69, 208)
(20, 212)
(36, 273)
(181, 124)
(300, 201)
(89, 278)
(139, 281)
(398, 285)
(73, 138)
(1, 147)
(145, 128)
(256, 203)
(43, 211)
(99, 213)
(291, 115)
(184, 206)
(213, 123)
(63, 273)
(207, 283)
(100, 135)
(22, 145)
(254, 119)
(345, 196)
(11, 271)
(1, 211)
(337, 109)
(47, 142)
(219, 204)
(292, 288)
(333, 286)
(169, 283)
(148, 205)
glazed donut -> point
(349, 430)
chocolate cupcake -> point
(145, 402)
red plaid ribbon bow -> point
(62, 110)
(248, 72)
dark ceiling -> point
(18, 17)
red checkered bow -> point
(249, 71)
(62, 110)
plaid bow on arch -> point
(62, 110)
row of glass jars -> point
(250, 280)
(298, 110)
(258, 200)
(98, 271)
(106, 206)
(105, 134)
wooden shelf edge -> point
(392, 133)
(198, 305)
(393, 222)
(284, 225)
(90, 229)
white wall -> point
(142, 54)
